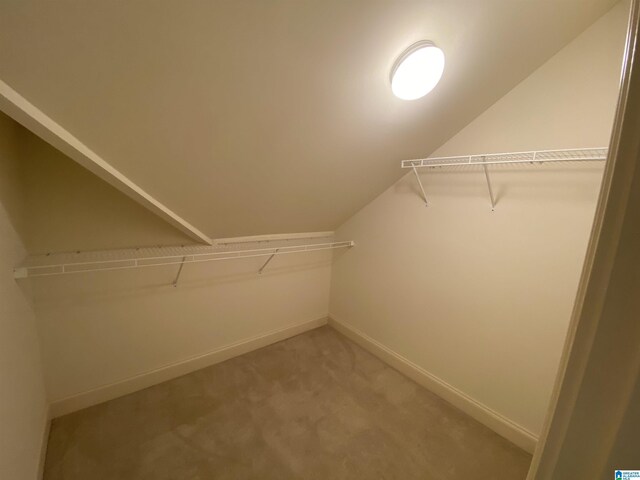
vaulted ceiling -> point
(251, 117)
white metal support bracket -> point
(175, 282)
(268, 260)
(486, 175)
(424, 195)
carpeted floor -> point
(315, 406)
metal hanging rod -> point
(48, 269)
(511, 158)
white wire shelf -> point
(531, 157)
(534, 157)
(64, 264)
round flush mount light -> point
(417, 71)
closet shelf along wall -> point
(79, 262)
(533, 157)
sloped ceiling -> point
(69, 208)
(257, 117)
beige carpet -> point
(315, 406)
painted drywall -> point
(243, 140)
(23, 402)
(481, 299)
(105, 332)
(69, 208)
(105, 328)
(110, 331)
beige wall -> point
(23, 403)
(103, 328)
(482, 299)
(115, 328)
(120, 328)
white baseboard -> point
(133, 384)
(496, 422)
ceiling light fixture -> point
(417, 71)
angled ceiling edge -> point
(32, 118)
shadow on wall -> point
(11, 181)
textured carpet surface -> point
(315, 406)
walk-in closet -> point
(305, 239)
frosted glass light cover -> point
(417, 71)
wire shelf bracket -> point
(534, 157)
(175, 282)
(486, 175)
(424, 195)
(267, 262)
